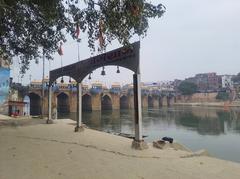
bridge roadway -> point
(64, 99)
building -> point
(206, 82)
(213, 81)
(18, 102)
(161, 86)
(4, 86)
(226, 81)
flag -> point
(77, 32)
(60, 51)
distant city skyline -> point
(192, 37)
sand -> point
(4, 117)
(44, 151)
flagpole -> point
(49, 66)
(77, 32)
(61, 61)
(78, 51)
(43, 74)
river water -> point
(214, 129)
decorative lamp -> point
(118, 71)
(103, 72)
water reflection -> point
(205, 121)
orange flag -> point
(77, 32)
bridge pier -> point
(155, 102)
(131, 101)
(170, 101)
(72, 102)
(115, 101)
(96, 102)
(165, 101)
(145, 101)
(160, 101)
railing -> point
(96, 90)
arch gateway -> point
(127, 57)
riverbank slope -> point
(210, 104)
(55, 151)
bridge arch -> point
(106, 102)
(160, 101)
(35, 104)
(63, 103)
(124, 102)
(87, 102)
(150, 101)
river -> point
(214, 129)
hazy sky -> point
(193, 36)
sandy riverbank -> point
(54, 151)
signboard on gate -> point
(127, 57)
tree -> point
(187, 88)
(223, 96)
(31, 27)
(236, 78)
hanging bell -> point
(89, 77)
(103, 72)
(62, 81)
(118, 71)
(70, 80)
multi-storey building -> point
(206, 81)
(213, 81)
(226, 81)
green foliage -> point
(29, 27)
(222, 96)
(236, 78)
(187, 88)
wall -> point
(4, 89)
(197, 98)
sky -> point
(192, 37)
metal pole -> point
(50, 102)
(49, 93)
(43, 74)
(137, 107)
(79, 108)
(78, 51)
(80, 104)
(30, 79)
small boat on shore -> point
(130, 136)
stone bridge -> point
(64, 99)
